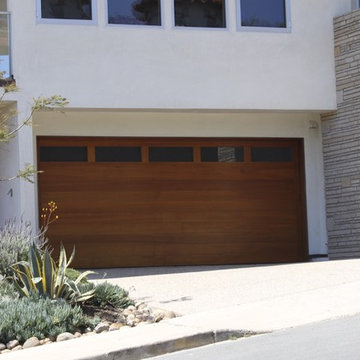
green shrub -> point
(7, 289)
(36, 316)
(41, 275)
(110, 296)
(14, 244)
(73, 274)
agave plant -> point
(41, 275)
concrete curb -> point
(177, 344)
(132, 343)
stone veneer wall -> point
(341, 143)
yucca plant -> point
(41, 275)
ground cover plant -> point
(109, 296)
(41, 317)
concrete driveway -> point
(314, 289)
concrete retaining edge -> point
(178, 344)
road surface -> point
(328, 340)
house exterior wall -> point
(146, 81)
(9, 166)
(166, 68)
(341, 133)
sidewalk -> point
(218, 303)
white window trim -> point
(199, 28)
(93, 21)
(260, 28)
(355, 4)
(130, 26)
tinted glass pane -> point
(134, 12)
(66, 9)
(4, 45)
(113, 153)
(3, 5)
(263, 13)
(171, 154)
(222, 154)
(209, 154)
(271, 154)
(200, 13)
(63, 153)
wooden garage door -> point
(150, 202)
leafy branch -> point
(52, 103)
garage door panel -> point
(174, 212)
(131, 200)
(165, 172)
(172, 255)
(162, 213)
(186, 232)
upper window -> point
(71, 11)
(4, 41)
(3, 5)
(200, 13)
(264, 14)
(355, 4)
(134, 12)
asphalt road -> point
(328, 340)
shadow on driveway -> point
(112, 273)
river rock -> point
(19, 347)
(11, 344)
(121, 319)
(101, 327)
(31, 342)
(65, 336)
(116, 326)
(169, 314)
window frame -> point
(355, 4)
(187, 28)
(162, 19)
(242, 28)
(41, 20)
(6, 10)
(9, 40)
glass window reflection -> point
(66, 9)
(134, 12)
(3, 5)
(263, 13)
(4, 46)
(200, 13)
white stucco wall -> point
(145, 67)
(203, 124)
(10, 194)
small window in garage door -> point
(118, 153)
(271, 154)
(63, 153)
(222, 154)
(173, 154)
